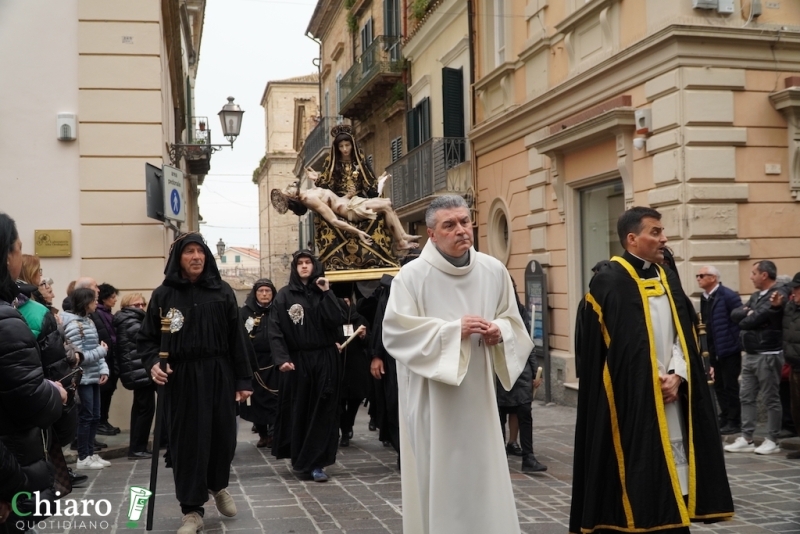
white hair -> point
(713, 270)
(444, 202)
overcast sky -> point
(246, 43)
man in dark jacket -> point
(208, 372)
(716, 304)
(304, 326)
(791, 345)
(762, 361)
(262, 406)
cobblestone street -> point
(363, 495)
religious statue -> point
(347, 172)
(351, 209)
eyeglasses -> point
(702, 275)
(138, 305)
(46, 283)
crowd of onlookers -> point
(754, 349)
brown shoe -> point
(224, 502)
(794, 455)
(192, 523)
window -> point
(495, 33)
(223, 259)
(419, 123)
(397, 148)
(600, 207)
(367, 59)
(391, 18)
(237, 259)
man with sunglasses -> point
(716, 304)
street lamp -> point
(231, 119)
(220, 248)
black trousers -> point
(525, 420)
(726, 386)
(348, 416)
(106, 392)
(142, 411)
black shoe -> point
(794, 455)
(74, 445)
(139, 456)
(344, 442)
(372, 426)
(76, 479)
(729, 429)
(513, 449)
(531, 465)
(105, 429)
(253, 429)
(387, 443)
(350, 434)
(98, 445)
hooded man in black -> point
(263, 404)
(208, 371)
(304, 325)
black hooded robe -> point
(623, 476)
(210, 357)
(304, 326)
(263, 404)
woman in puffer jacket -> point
(28, 402)
(127, 322)
(81, 332)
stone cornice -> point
(788, 98)
(322, 17)
(433, 25)
(672, 47)
(503, 70)
(581, 14)
(589, 131)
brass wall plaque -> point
(52, 243)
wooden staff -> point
(162, 362)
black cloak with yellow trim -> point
(624, 477)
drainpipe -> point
(472, 158)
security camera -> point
(638, 143)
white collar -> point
(646, 265)
(706, 295)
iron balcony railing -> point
(319, 139)
(381, 57)
(423, 171)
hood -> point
(294, 278)
(251, 301)
(68, 317)
(210, 276)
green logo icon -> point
(139, 497)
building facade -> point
(585, 108)
(291, 110)
(122, 72)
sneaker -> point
(741, 445)
(191, 523)
(89, 463)
(224, 502)
(768, 447)
(319, 475)
(104, 463)
(513, 449)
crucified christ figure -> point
(328, 205)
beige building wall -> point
(284, 103)
(108, 63)
(556, 117)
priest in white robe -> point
(452, 323)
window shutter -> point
(424, 120)
(412, 127)
(453, 102)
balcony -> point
(318, 142)
(372, 77)
(423, 171)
